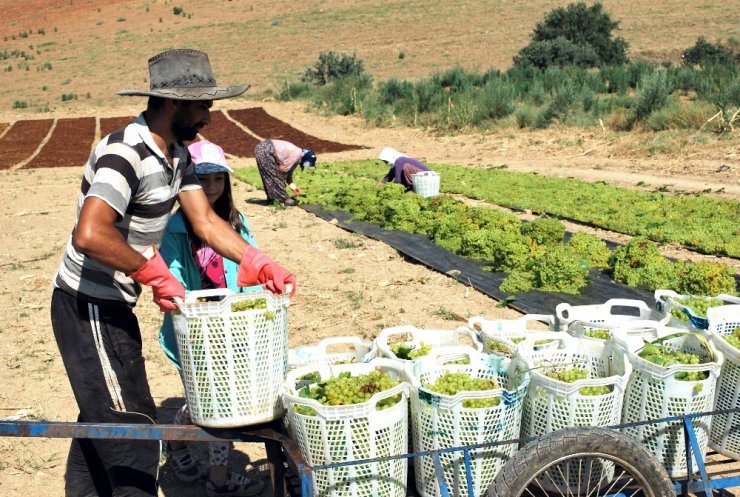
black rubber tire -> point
(581, 443)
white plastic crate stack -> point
(332, 350)
(654, 392)
(502, 336)
(725, 434)
(552, 404)
(233, 363)
(443, 421)
(426, 183)
(331, 434)
(682, 316)
(412, 339)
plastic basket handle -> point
(194, 295)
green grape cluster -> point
(698, 306)
(410, 352)
(451, 383)
(734, 339)
(346, 389)
(661, 356)
(598, 333)
(498, 348)
(245, 305)
(459, 361)
(574, 374)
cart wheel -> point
(589, 462)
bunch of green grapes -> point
(574, 374)
(661, 356)
(498, 348)
(346, 389)
(245, 305)
(452, 383)
(409, 352)
(459, 361)
(599, 334)
(734, 339)
(698, 306)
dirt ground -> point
(341, 291)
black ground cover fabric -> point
(424, 251)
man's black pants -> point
(100, 344)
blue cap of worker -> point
(308, 159)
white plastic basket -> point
(629, 334)
(552, 404)
(653, 393)
(721, 319)
(233, 363)
(442, 421)
(613, 312)
(725, 434)
(412, 336)
(333, 350)
(502, 336)
(426, 183)
(352, 433)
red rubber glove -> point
(297, 191)
(157, 275)
(257, 268)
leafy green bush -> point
(333, 66)
(544, 231)
(639, 264)
(558, 52)
(652, 94)
(560, 270)
(704, 53)
(575, 35)
(510, 251)
(590, 248)
(705, 278)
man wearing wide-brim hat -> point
(130, 184)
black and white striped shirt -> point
(128, 171)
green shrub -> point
(333, 66)
(705, 278)
(544, 231)
(704, 53)
(560, 270)
(393, 90)
(575, 35)
(558, 52)
(639, 264)
(497, 100)
(677, 115)
(652, 94)
(293, 91)
(177, 10)
(20, 104)
(518, 282)
(591, 248)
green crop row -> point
(535, 255)
(706, 224)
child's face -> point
(213, 185)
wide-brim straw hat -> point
(184, 74)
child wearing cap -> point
(199, 267)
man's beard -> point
(184, 131)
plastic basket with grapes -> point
(693, 311)
(502, 336)
(332, 350)
(673, 375)
(725, 434)
(462, 397)
(351, 412)
(579, 382)
(408, 343)
(613, 312)
(630, 334)
(233, 352)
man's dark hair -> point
(154, 103)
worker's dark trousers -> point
(100, 344)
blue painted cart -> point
(526, 474)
